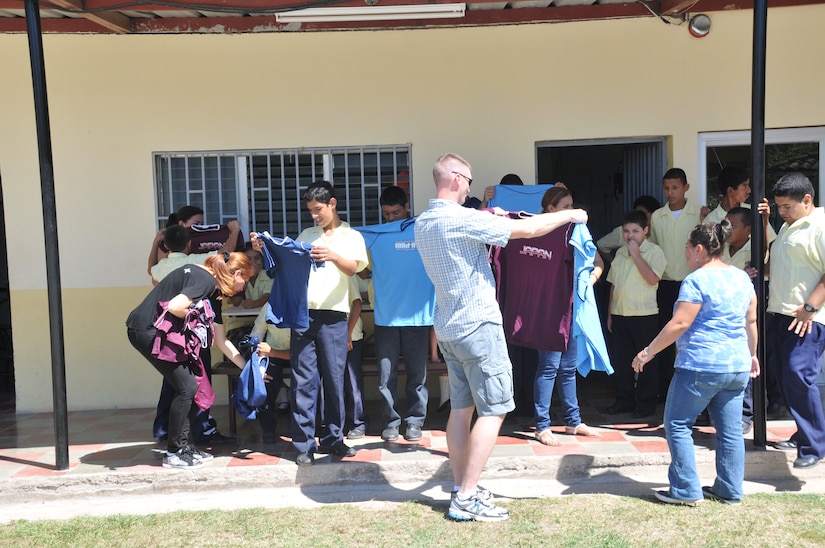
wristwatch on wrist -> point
(809, 308)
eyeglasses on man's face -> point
(469, 180)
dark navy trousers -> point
(318, 355)
(800, 364)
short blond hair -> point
(441, 169)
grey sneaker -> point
(474, 508)
(202, 456)
(183, 459)
(664, 496)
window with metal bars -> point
(263, 188)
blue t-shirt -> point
(404, 295)
(287, 262)
(519, 198)
(716, 341)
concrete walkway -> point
(115, 469)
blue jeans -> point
(553, 365)
(689, 393)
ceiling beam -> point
(111, 20)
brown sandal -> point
(546, 437)
(581, 430)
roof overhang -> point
(247, 16)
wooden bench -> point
(369, 367)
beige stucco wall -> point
(486, 93)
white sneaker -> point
(482, 494)
(183, 459)
(475, 508)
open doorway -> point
(604, 175)
(7, 398)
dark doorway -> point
(604, 175)
(7, 398)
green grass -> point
(579, 521)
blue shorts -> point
(480, 371)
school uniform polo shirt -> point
(611, 241)
(328, 287)
(740, 258)
(632, 295)
(276, 337)
(718, 214)
(797, 264)
(175, 260)
(355, 295)
(671, 235)
(260, 287)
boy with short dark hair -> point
(319, 353)
(670, 226)
(633, 315)
(404, 305)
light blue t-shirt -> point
(519, 198)
(404, 295)
(716, 341)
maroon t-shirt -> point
(534, 285)
(208, 238)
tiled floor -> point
(120, 440)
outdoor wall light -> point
(699, 25)
(372, 13)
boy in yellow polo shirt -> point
(669, 229)
(318, 354)
(633, 315)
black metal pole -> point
(760, 20)
(44, 149)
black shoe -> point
(774, 412)
(356, 433)
(216, 439)
(709, 494)
(339, 449)
(805, 462)
(619, 409)
(786, 445)
(390, 433)
(412, 433)
(305, 459)
(746, 427)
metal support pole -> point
(44, 149)
(760, 19)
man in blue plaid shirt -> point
(452, 242)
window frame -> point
(811, 134)
(245, 190)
